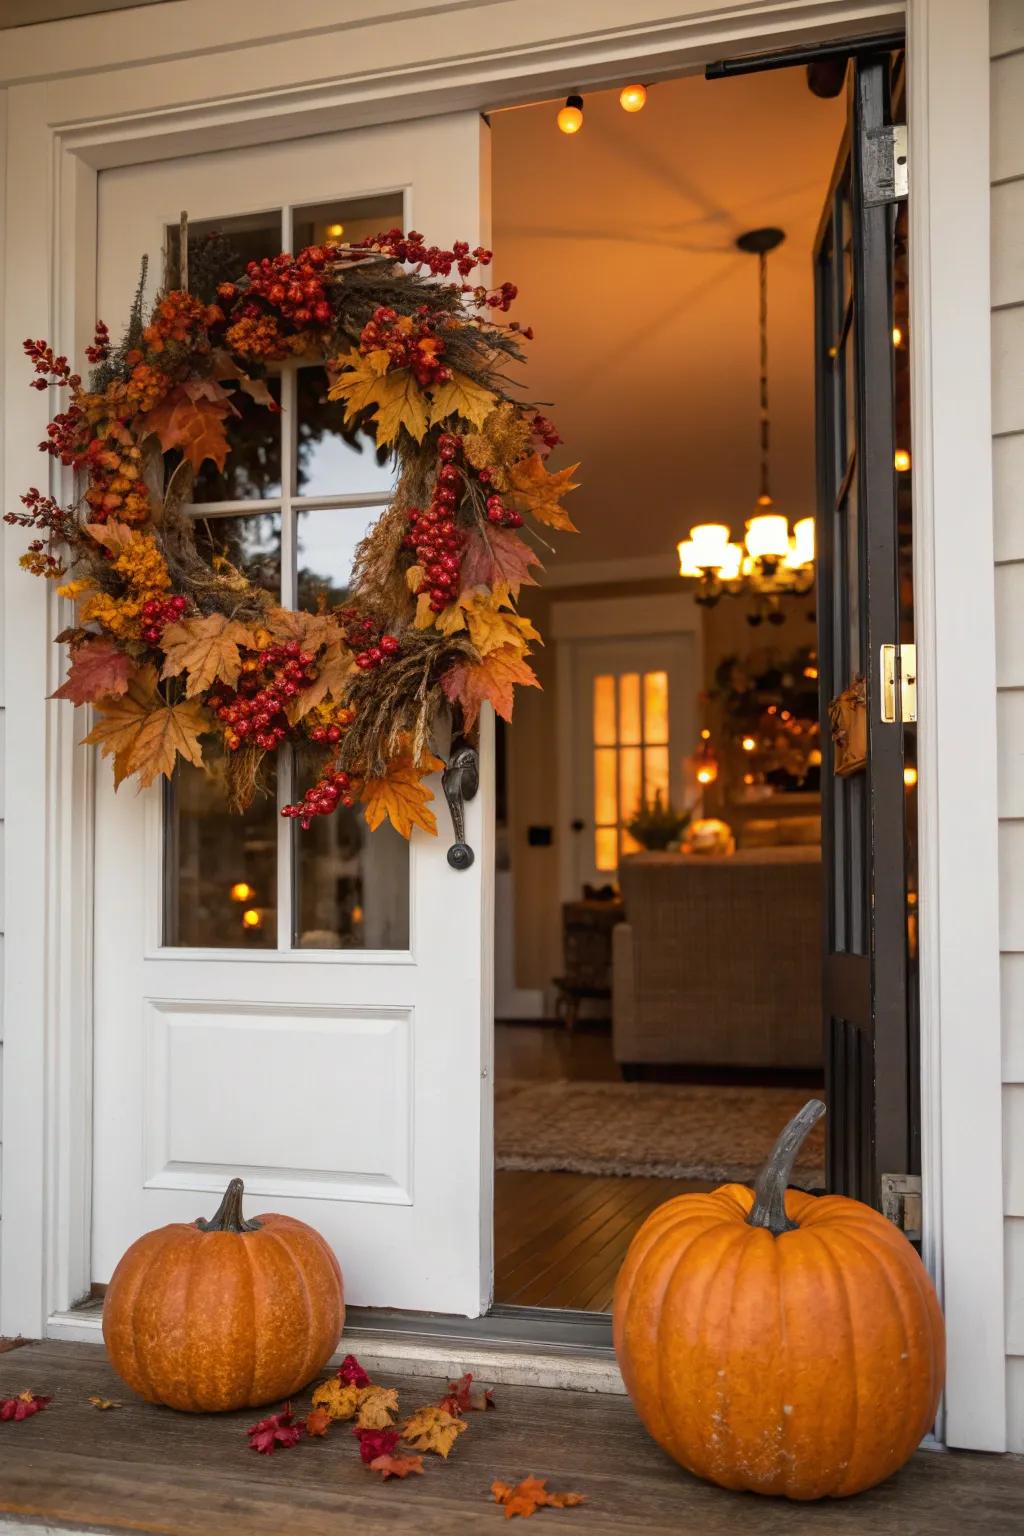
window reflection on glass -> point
(326, 539)
(221, 869)
(252, 470)
(252, 543)
(351, 885)
(218, 250)
(347, 220)
(332, 459)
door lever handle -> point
(460, 782)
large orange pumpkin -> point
(776, 1342)
(226, 1313)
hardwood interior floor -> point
(559, 1238)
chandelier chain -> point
(762, 263)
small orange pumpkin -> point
(226, 1313)
(776, 1342)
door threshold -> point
(520, 1346)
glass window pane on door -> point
(251, 543)
(347, 220)
(332, 459)
(326, 539)
(630, 731)
(220, 868)
(219, 249)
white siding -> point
(1007, 38)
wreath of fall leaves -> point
(185, 658)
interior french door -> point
(310, 1011)
(865, 604)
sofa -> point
(719, 960)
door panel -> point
(869, 1020)
(309, 1010)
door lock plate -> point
(899, 669)
(901, 1202)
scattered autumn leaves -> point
(14, 1409)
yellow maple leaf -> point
(400, 796)
(338, 1399)
(461, 396)
(491, 626)
(541, 494)
(398, 397)
(207, 649)
(377, 1406)
(433, 1429)
(414, 577)
(144, 735)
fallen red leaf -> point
(352, 1374)
(530, 1495)
(463, 1397)
(318, 1421)
(279, 1430)
(397, 1466)
(21, 1407)
(375, 1442)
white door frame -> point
(395, 62)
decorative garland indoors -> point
(177, 653)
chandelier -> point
(771, 563)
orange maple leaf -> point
(492, 624)
(529, 1496)
(115, 537)
(318, 1421)
(401, 796)
(207, 649)
(192, 418)
(495, 555)
(541, 494)
(145, 735)
(471, 683)
(433, 1429)
(397, 1466)
(99, 669)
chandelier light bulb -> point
(570, 117)
(768, 536)
(632, 98)
(710, 545)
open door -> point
(310, 1010)
(865, 646)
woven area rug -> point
(649, 1129)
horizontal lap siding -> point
(1007, 36)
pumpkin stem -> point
(228, 1217)
(769, 1208)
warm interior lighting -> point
(252, 918)
(570, 117)
(768, 536)
(748, 744)
(901, 460)
(732, 563)
(241, 891)
(748, 778)
(710, 543)
(897, 336)
(814, 757)
(810, 672)
(803, 540)
(335, 231)
(687, 564)
(705, 735)
(910, 777)
(632, 97)
(707, 773)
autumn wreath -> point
(179, 654)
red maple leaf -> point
(493, 679)
(351, 1373)
(497, 555)
(99, 669)
(280, 1429)
(376, 1442)
(14, 1409)
(397, 1466)
(463, 1397)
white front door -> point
(309, 1010)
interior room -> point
(659, 881)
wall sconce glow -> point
(632, 98)
(241, 891)
(901, 460)
(705, 735)
(570, 117)
(910, 777)
(748, 743)
(252, 918)
(335, 231)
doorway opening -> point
(675, 806)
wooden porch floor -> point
(151, 1470)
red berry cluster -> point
(433, 536)
(321, 799)
(410, 248)
(100, 348)
(55, 372)
(544, 429)
(294, 286)
(497, 512)
(492, 298)
(158, 612)
(364, 636)
(409, 343)
(256, 708)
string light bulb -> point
(252, 918)
(901, 460)
(570, 117)
(241, 891)
(632, 98)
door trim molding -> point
(59, 137)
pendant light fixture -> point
(771, 562)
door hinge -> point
(885, 166)
(899, 668)
(901, 1202)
